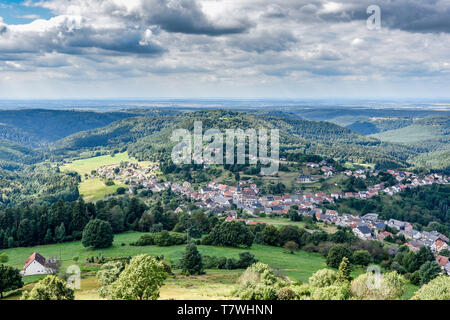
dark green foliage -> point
(97, 234)
(290, 233)
(362, 257)
(232, 234)
(163, 239)
(445, 253)
(428, 271)
(336, 254)
(415, 278)
(10, 279)
(246, 259)
(271, 236)
(191, 262)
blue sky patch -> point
(16, 12)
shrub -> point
(97, 234)
(49, 288)
(191, 263)
(436, 289)
(232, 233)
(362, 257)
(336, 254)
(323, 278)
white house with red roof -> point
(36, 264)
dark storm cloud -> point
(187, 17)
(421, 16)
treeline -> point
(64, 221)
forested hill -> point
(377, 125)
(144, 137)
(432, 135)
(11, 153)
(39, 127)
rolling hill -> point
(432, 135)
(145, 137)
(37, 128)
(377, 125)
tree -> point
(423, 255)
(97, 234)
(336, 254)
(291, 246)
(436, 289)
(140, 280)
(49, 288)
(48, 237)
(289, 233)
(60, 233)
(445, 253)
(10, 279)
(191, 263)
(246, 259)
(108, 273)
(271, 235)
(428, 271)
(343, 274)
(410, 262)
(231, 233)
(362, 257)
(3, 257)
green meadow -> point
(216, 284)
(94, 189)
(84, 166)
(299, 266)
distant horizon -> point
(112, 104)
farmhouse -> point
(36, 264)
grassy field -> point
(280, 221)
(216, 284)
(87, 165)
(95, 189)
(299, 266)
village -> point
(221, 199)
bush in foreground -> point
(436, 289)
(140, 280)
(49, 288)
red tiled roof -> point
(35, 256)
(441, 260)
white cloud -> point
(217, 47)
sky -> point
(92, 49)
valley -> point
(334, 187)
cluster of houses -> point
(326, 170)
(410, 180)
(217, 198)
(134, 176)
